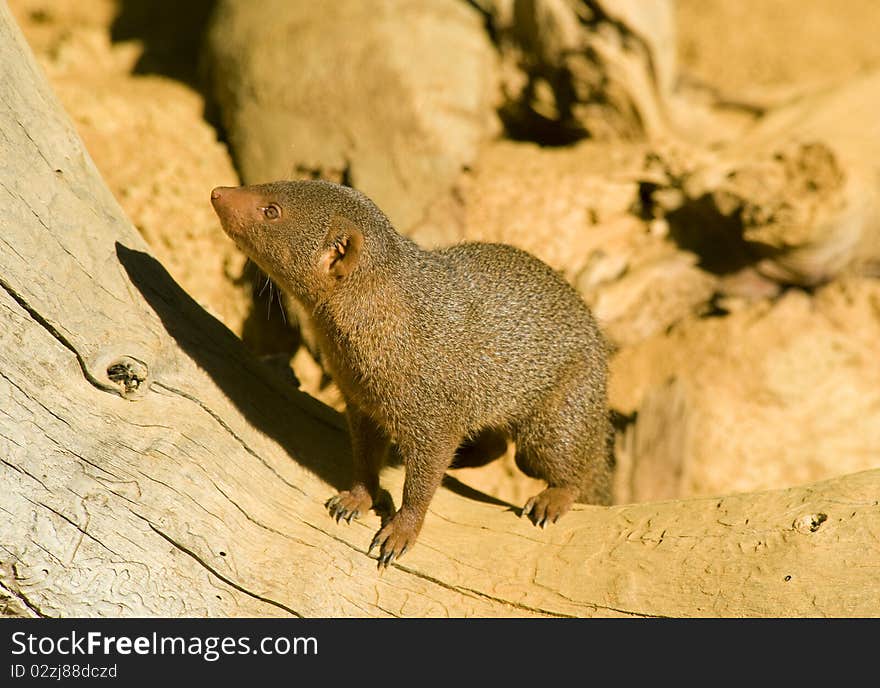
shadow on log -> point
(150, 466)
(209, 344)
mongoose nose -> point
(217, 192)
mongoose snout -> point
(442, 352)
(238, 208)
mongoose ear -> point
(342, 247)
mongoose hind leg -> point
(574, 472)
(551, 504)
(368, 445)
(566, 444)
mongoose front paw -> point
(349, 504)
(398, 535)
(549, 505)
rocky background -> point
(704, 172)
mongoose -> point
(433, 349)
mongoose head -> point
(310, 237)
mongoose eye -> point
(271, 212)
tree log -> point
(152, 467)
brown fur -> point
(433, 349)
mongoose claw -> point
(348, 505)
(393, 540)
(549, 505)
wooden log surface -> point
(150, 466)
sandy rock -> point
(393, 97)
(777, 394)
(798, 197)
(751, 49)
(602, 68)
(651, 297)
(821, 158)
(549, 201)
(50, 25)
